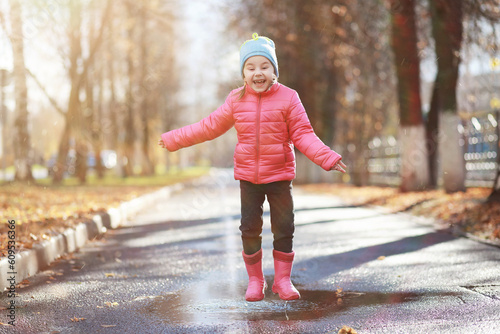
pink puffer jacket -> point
(268, 125)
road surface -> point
(177, 268)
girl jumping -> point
(269, 120)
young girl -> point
(269, 119)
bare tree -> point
(22, 146)
(414, 165)
(77, 71)
(447, 16)
(482, 19)
(366, 51)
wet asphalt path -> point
(177, 268)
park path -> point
(177, 268)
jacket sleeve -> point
(304, 138)
(211, 127)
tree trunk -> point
(127, 146)
(81, 166)
(4, 74)
(432, 132)
(414, 166)
(97, 129)
(447, 31)
(112, 130)
(147, 166)
(77, 78)
(94, 79)
(495, 192)
(74, 96)
(23, 143)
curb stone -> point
(32, 261)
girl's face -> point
(258, 73)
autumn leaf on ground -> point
(347, 330)
(43, 213)
(7, 325)
(468, 211)
(109, 275)
(381, 258)
(109, 304)
(23, 283)
(75, 319)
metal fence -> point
(480, 143)
(384, 162)
(481, 149)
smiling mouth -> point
(259, 82)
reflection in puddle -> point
(219, 304)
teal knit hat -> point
(259, 46)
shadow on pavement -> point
(323, 266)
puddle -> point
(218, 304)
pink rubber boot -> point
(283, 263)
(256, 281)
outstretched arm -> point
(211, 127)
(304, 138)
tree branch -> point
(3, 24)
(51, 99)
(96, 43)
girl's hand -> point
(339, 166)
(161, 143)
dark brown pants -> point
(279, 196)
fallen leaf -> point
(108, 326)
(381, 258)
(75, 319)
(347, 330)
(109, 275)
(109, 304)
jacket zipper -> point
(257, 136)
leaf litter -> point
(466, 212)
(44, 212)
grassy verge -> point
(42, 210)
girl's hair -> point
(244, 89)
